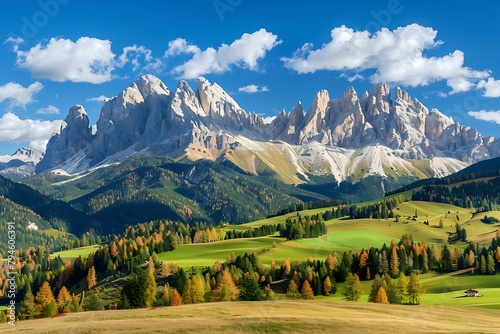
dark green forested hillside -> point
(145, 188)
(22, 217)
(60, 214)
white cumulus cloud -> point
(491, 87)
(86, 60)
(100, 98)
(396, 56)
(132, 54)
(50, 110)
(180, 46)
(37, 132)
(243, 52)
(17, 95)
(251, 89)
(492, 116)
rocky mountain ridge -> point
(21, 164)
(338, 139)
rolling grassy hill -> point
(271, 317)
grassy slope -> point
(271, 317)
(344, 235)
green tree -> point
(150, 289)
(352, 287)
(3, 317)
(28, 309)
(187, 296)
(270, 295)
(92, 302)
(135, 288)
(51, 309)
(490, 267)
(251, 289)
(123, 304)
(292, 292)
(402, 286)
(74, 305)
(482, 266)
(197, 289)
(414, 289)
(376, 285)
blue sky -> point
(266, 54)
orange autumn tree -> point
(381, 296)
(306, 291)
(45, 302)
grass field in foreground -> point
(271, 317)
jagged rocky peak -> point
(402, 95)
(149, 84)
(25, 154)
(214, 100)
(378, 101)
(77, 113)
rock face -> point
(21, 164)
(344, 137)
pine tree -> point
(123, 304)
(376, 285)
(483, 265)
(490, 266)
(91, 278)
(175, 298)
(384, 263)
(270, 295)
(414, 289)
(394, 262)
(150, 289)
(381, 296)
(187, 296)
(251, 289)
(74, 305)
(165, 297)
(28, 309)
(327, 286)
(292, 292)
(92, 302)
(402, 286)
(306, 291)
(3, 317)
(43, 298)
(197, 289)
(51, 309)
(63, 299)
(228, 283)
(352, 287)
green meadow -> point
(346, 234)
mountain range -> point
(347, 138)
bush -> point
(490, 220)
